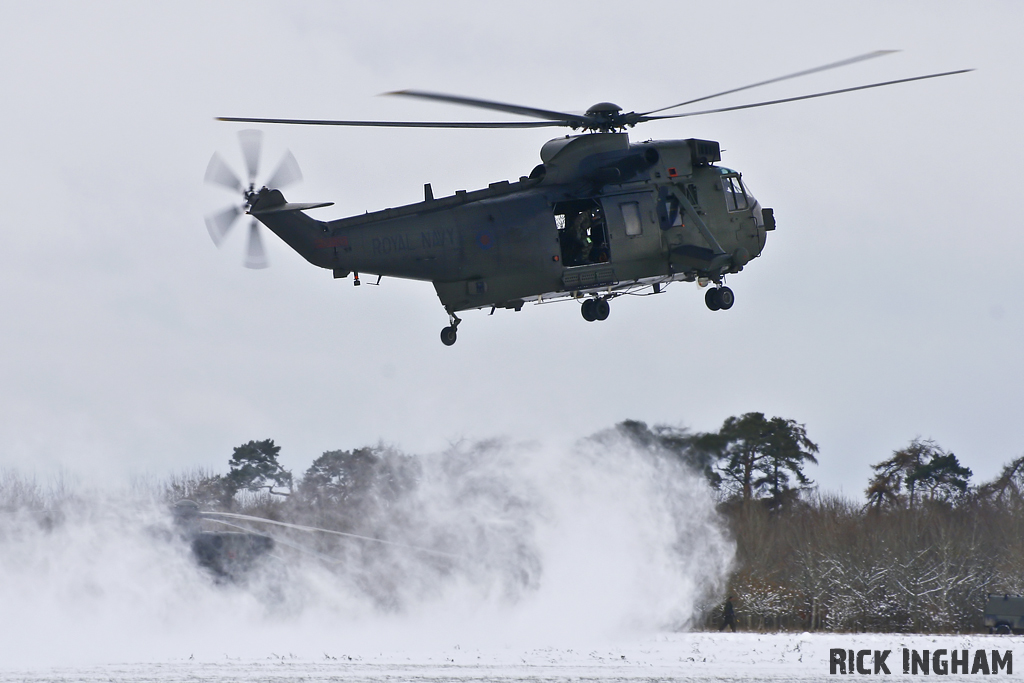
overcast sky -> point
(886, 306)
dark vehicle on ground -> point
(1004, 614)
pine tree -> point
(340, 477)
(922, 470)
(759, 456)
(254, 467)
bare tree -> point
(1008, 487)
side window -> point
(735, 197)
(631, 218)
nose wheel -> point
(595, 309)
(720, 299)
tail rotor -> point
(218, 172)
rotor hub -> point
(607, 117)
(604, 110)
(250, 196)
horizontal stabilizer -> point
(290, 206)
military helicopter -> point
(600, 217)
(225, 544)
(227, 555)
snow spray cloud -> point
(492, 543)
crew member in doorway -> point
(581, 232)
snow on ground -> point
(572, 565)
(666, 657)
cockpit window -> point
(735, 196)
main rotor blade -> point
(255, 256)
(806, 72)
(220, 173)
(220, 223)
(311, 529)
(495, 106)
(802, 97)
(287, 172)
(251, 141)
(400, 124)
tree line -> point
(919, 554)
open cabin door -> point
(582, 233)
(584, 245)
(597, 236)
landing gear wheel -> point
(448, 336)
(726, 298)
(601, 309)
(712, 300)
(588, 310)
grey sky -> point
(886, 306)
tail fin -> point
(272, 201)
(299, 231)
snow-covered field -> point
(675, 656)
(580, 564)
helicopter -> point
(227, 555)
(598, 218)
(228, 548)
